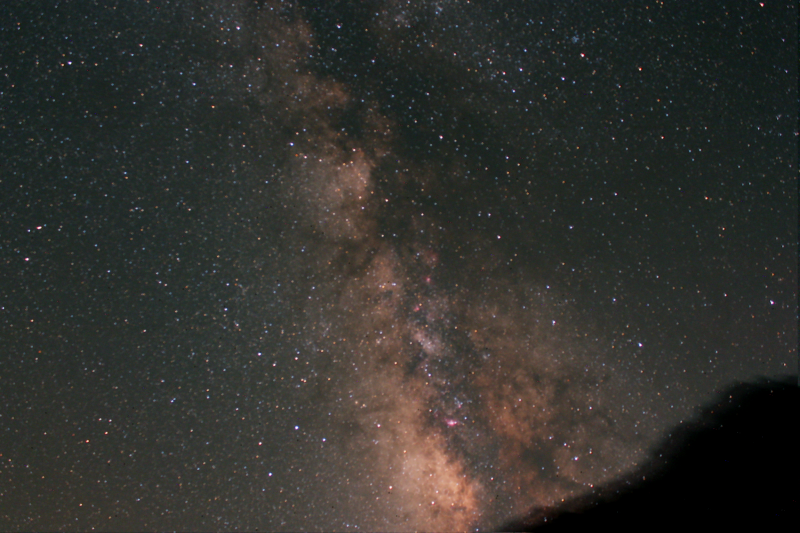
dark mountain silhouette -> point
(735, 467)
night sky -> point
(379, 265)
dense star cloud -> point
(380, 266)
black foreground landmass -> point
(735, 467)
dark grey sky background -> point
(379, 266)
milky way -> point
(465, 396)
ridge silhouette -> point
(735, 466)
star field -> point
(379, 266)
